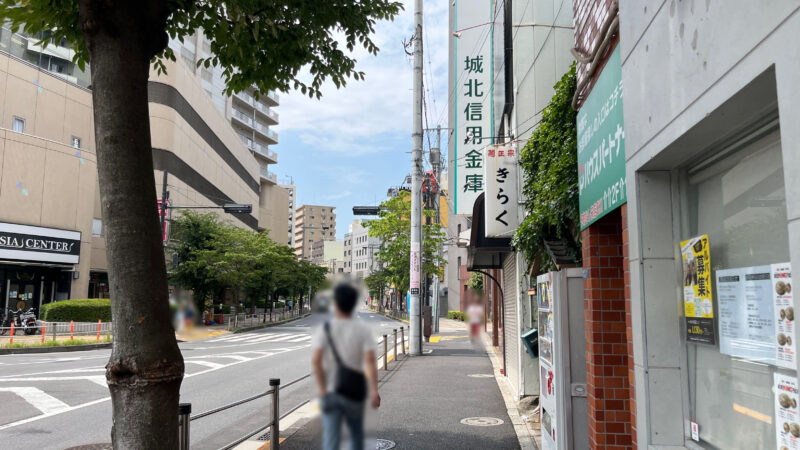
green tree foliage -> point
(549, 163)
(214, 256)
(259, 42)
(476, 282)
(393, 227)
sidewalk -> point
(426, 401)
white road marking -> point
(37, 398)
(236, 357)
(204, 363)
(300, 339)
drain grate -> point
(264, 437)
(482, 421)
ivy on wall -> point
(549, 163)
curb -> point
(56, 349)
(388, 316)
(268, 325)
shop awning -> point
(484, 252)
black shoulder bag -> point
(348, 383)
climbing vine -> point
(549, 163)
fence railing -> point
(54, 330)
(273, 424)
(246, 320)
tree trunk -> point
(145, 370)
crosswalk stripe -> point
(236, 357)
(45, 403)
(300, 339)
(210, 364)
(284, 338)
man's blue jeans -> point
(335, 408)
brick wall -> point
(608, 350)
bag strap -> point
(330, 341)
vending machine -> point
(562, 361)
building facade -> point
(711, 156)
(313, 223)
(364, 260)
(292, 191)
(50, 220)
(348, 253)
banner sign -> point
(30, 243)
(601, 146)
(473, 109)
(698, 306)
(501, 190)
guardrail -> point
(55, 329)
(246, 320)
(273, 424)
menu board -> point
(786, 349)
(698, 301)
(787, 423)
(746, 313)
(547, 377)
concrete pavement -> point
(447, 398)
(59, 400)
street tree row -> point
(214, 257)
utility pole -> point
(415, 313)
(436, 160)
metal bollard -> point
(403, 340)
(385, 354)
(184, 409)
(274, 434)
(395, 343)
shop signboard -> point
(601, 146)
(698, 306)
(31, 243)
(500, 174)
(473, 113)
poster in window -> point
(746, 313)
(787, 423)
(786, 349)
(698, 304)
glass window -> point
(97, 227)
(19, 124)
(76, 142)
(739, 201)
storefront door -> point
(22, 292)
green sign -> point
(601, 146)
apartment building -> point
(348, 253)
(252, 117)
(364, 247)
(313, 223)
(51, 228)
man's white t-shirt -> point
(352, 338)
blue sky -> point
(352, 145)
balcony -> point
(272, 98)
(247, 141)
(266, 112)
(266, 175)
(244, 99)
(262, 150)
(273, 136)
(261, 129)
(242, 117)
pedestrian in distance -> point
(475, 315)
(346, 372)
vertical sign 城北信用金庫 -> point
(473, 105)
(601, 146)
(501, 190)
(698, 306)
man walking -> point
(343, 347)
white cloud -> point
(359, 118)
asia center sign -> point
(601, 146)
(40, 244)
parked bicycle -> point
(25, 320)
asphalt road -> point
(60, 400)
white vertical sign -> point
(500, 175)
(415, 268)
(472, 35)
